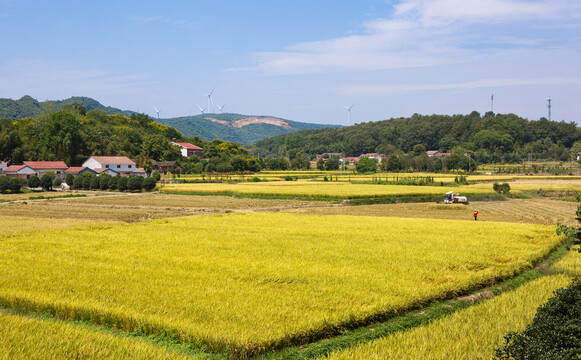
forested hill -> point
(29, 107)
(492, 137)
(244, 129)
(73, 135)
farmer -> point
(475, 215)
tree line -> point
(490, 138)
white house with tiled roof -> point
(123, 165)
(19, 171)
(42, 167)
(188, 149)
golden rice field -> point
(473, 333)
(245, 283)
(27, 338)
(345, 190)
(570, 263)
(534, 211)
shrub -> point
(46, 182)
(16, 184)
(4, 183)
(149, 183)
(33, 181)
(70, 180)
(95, 183)
(57, 182)
(555, 332)
(104, 181)
(156, 175)
(78, 182)
(113, 182)
(122, 183)
(134, 183)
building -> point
(432, 153)
(376, 156)
(123, 165)
(42, 167)
(351, 160)
(578, 156)
(188, 149)
(79, 170)
(19, 171)
(165, 167)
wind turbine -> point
(157, 111)
(221, 107)
(202, 109)
(210, 100)
(348, 113)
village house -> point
(432, 153)
(79, 170)
(19, 171)
(375, 156)
(122, 165)
(188, 149)
(165, 167)
(350, 160)
(578, 156)
(42, 167)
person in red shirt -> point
(475, 215)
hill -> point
(238, 128)
(492, 137)
(30, 107)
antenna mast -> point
(549, 106)
(492, 103)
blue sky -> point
(300, 60)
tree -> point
(57, 182)
(122, 183)
(134, 183)
(33, 181)
(149, 183)
(113, 180)
(366, 165)
(393, 163)
(156, 175)
(46, 182)
(95, 183)
(70, 179)
(78, 182)
(332, 164)
(320, 164)
(104, 181)
(4, 183)
(16, 185)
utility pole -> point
(549, 106)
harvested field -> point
(532, 211)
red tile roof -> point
(13, 168)
(114, 160)
(46, 165)
(75, 169)
(189, 146)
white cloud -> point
(422, 33)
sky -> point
(302, 60)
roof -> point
(113, 160)
(46, 165)
(188, 146)
(75, 169)
(139, 171)
(102, 170)
(167, 163)
(432, 152)
(13, 168)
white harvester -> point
(455, 198)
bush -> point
(104, 181)
(555, 332)
(4, 183)
(149, 183)
(366, 165)
(134, 183)
(78, 182)
(33, 181)
(113, 182)
(95, 183)
(122, 183)
(156, 175)
(57, 182)
(16, 184)
(70, 180)
(46, 182)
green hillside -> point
(489, 138)
(30, 107)
(238, 128)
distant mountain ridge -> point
(27, 106)
(244, 129)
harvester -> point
(455, 198)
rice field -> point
(27, 338)
(246, 283)
(533, 211)
(345, 190)
(473, 333)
